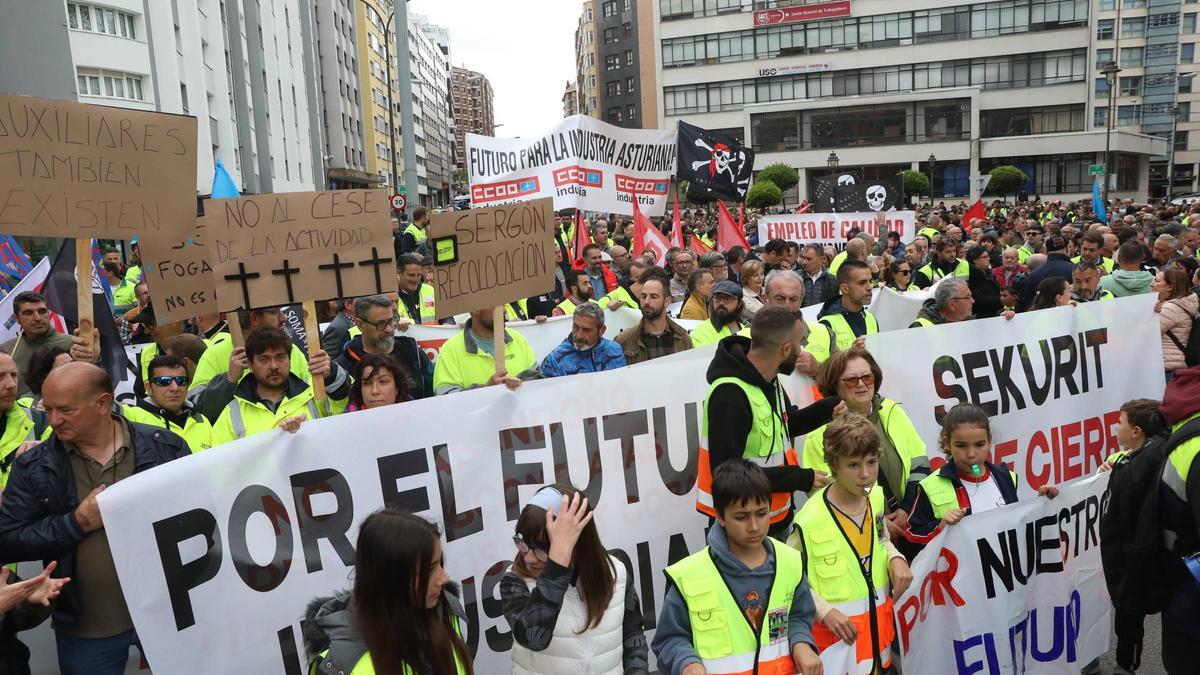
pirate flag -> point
(869, 196)
(825, 190)
(714, 161)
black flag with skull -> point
(871, 195)
(714, 161)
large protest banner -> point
(896, 311)
(830, 229)
(285, 248)
(582, 163)
(86, 171)
(1052, 381)
(219, 553)
(1014, 590)
(486, 257)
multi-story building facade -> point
(243, 69)
(587, 77)
(433, 111)
(1153, 42)
(882, 88)
(381, 129)
(473, 107)
(338, 37)
(570, 99)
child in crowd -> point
(968, 483)
(741, 604)
(852, 565)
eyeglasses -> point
(524, 548)
(962, 297)
(166, 380)
(853, 380)
(903, 271)
(382, 326)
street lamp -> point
(1109, 71)
(832, 160)
(932, 163)
(1175, 110)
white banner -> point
(582, 163)
(830, 229)
(1052, 381)
(896, 311)
(1015, 590)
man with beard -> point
(846, 314)
(579, 291)
(415, 302)
(373, 316)
(945, 263)
(656, 334)
(724, 314)
(748, 414)
(585, 350)
(270, 394)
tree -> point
(915, 183)
(783, 176)
(763, 194)
(460, 182)
(1006, 180)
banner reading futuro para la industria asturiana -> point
(582, 163)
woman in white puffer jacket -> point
(1176, 308)
(571, 605)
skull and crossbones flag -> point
(714, 161)
(866, 196)
(825, 190)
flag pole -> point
(498, 337)
(83, 292)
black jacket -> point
(986, 292)
(1057, 265)
(407, 352)
(37, 515)
(730, 418)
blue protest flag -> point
(223, 186)
(1097, 202)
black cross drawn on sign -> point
(286, 272)
(376, 261)
(243, 276)
(337, 266)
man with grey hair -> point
(599, 232)
(585, 350)
(715, 262)
(951, 302)
(375, 317)
(1165, 251)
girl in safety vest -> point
(571, 605)
(741, 604)
(966, 484)
(402, 617)
(851, 563)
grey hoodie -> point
(1123, 284)
(673, 638)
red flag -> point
(742, 218)
(976, 211)
(580, 240)
(677, 226)
(728, 233)
(804, 207)
(646, 236)
(697, 245)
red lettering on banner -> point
(431, 347)
(936, 590)
(1067, 451)
(577, 175)
(1036, 480)
(641, 186)
(1071, 450)
(1003, 452)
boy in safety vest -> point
(850, 562)
(741, 604)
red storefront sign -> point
(823, 10)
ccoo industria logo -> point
(482, 193)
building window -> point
(1133, 4)
(89, 85)
(1103, 56)
(1181, 140)
(1130, 86)
(1104, 29)
(1107, 5)
(611, 36)
(1129, 115)
(631, 112)
(609, 9)
(1164, 19)
(629, 85)
(1133, 27)
(1162, 51)
(1100, 117)
(629, 57)
(100, 20)
(614, 115)
(614, 88)
(1032, 121)
(110, 84)
(1131, 57)
(1189, 23)
(625, 5)
(1187, 52)
(628, 28)
(612, 62)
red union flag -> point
(646, 236)
(822, 10)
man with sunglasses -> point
(375, 319)
(165, 404)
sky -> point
(526, 48)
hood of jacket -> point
(1182, 397)
(833, 306)
(1132, 283)
(730, 360)
(930, 311)
(740, 578)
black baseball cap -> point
(1056, 243)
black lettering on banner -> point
(498, 640)
(403, 465)
(1045, 547)
(645, 577)
(627, 426)
(458, 525)
(260, 499)
(471, 607)
(514, 474)
(182, 577)
(562, 464)
(332, 527)
(289, 652)
(678, 481)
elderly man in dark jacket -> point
(49, 511)
(1057, 265)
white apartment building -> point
(341, 95)
(1153, 42)
(885, 86)
(433, 111)
(238, 66)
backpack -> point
(1136, 562)
(1191, 353)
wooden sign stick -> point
(498, 338)
(83, 292)
(234, 323)
(314, 344)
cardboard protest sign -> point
(286, 248)
(830, 229)
(85, 171)
(487, 257)
(180, 275)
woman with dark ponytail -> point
(403, 615)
